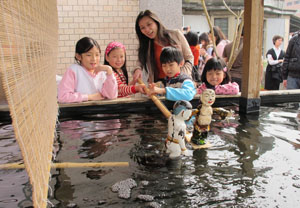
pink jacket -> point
(77, 83)
(232, 88)
(221, 46)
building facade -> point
(276, 18)
(106, 21)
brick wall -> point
(103, 20)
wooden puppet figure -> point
(203, 118)
(175, 142)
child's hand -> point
(140, 88)
(106, 68)
(96, 96)
(155, 90)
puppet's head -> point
(208, 97)
(182, 109)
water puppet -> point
(175, 142)
(204, 113)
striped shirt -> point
(124, 89)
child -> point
(87, 80)
(215, 76)
(115, 57)
(178, 86)
(192, 38)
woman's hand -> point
(137, 75)
(106, 68)
(96, 96)
(202, 51)
(284, 83)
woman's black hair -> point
(170, 54)
(84, 45)
(192, 38)
(219, 35)
(123, 68)
(145, 43)
(214, 64)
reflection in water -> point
(253, 162)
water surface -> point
(254, 162)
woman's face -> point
(278, 42)
(203, 43)
(148, 27)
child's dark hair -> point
(214, 64)
(170, 54)
(84, 45)
(123, 68)
(192, 38)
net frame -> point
(28, 62)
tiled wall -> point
(103, 20)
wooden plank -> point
(145, 105)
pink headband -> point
(113, 45)
(225, 69)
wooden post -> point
(252, 55)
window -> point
(289, 3)
(223, 24)
(297, 2)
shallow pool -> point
(254, 162)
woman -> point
(206, 50)
(153, 36)
(275, 59)
(205, 43)
(221, 40)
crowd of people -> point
(174, 63)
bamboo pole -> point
(237, 36)
(69, 165)
(211, 28)
(157, 102)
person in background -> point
(206, 50)
(153, 36)
(221, 40)
(177, 85)
(186, 29)
(215, 77)
(205, 44)
(291, 63)
(192, 38)
(115, 56)
(88, 79)
(236, 70)
(275, 57)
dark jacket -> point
(291, 62)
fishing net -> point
(28, 59)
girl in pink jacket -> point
(87, 80)
(215, 76)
